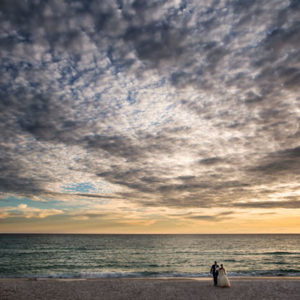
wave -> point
(281, 253)
(88, 275)
(108, 275)
(230, 260)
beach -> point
(149, 288)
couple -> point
(219, 274)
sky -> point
(177, 116)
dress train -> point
(223, 280)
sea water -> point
(91, 256)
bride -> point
(223, 280)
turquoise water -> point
(91, 256)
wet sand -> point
(149, 288)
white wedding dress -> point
(223, 280)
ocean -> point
(95, 256)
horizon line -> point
(70, 233)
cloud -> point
(87, 215)
(219, 217)
(23, 211)
(210, 161)
(180, 104)
(269, 204)
(286, 161)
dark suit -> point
(214, 272)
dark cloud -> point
(190, 104)
(283, 161)
(213, 218)
(269, 204)
(210, 161)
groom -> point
(214, 272)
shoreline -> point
(207, 278)
(148, 288)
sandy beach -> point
(150, 288)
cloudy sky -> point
(150, 116)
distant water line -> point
(92, 256)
